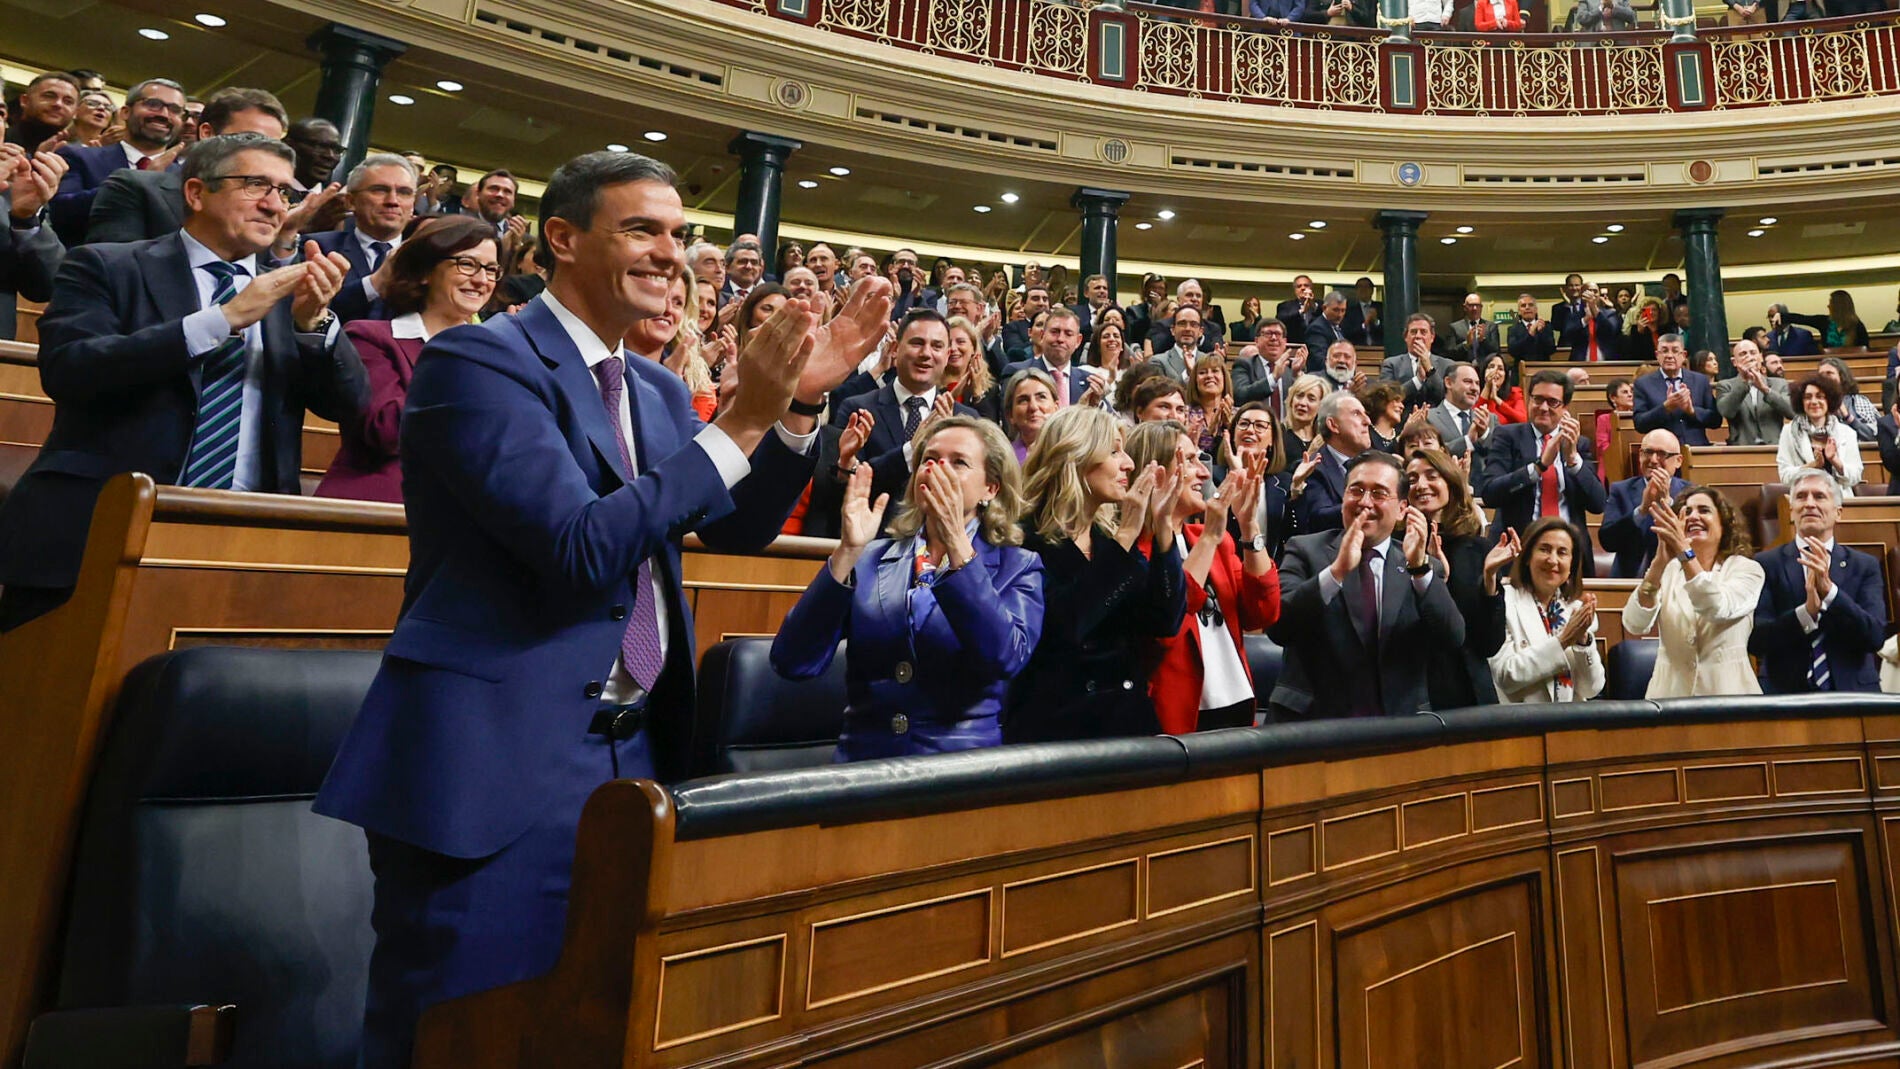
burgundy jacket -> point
(366, 467)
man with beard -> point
(47, 106)
(153, 114)
(1341, 367)
(495, 202)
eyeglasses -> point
(1546, 402)
(255, 186)
(1378, 494)
(1253, 425)
(469, 268)
(1658, 454)
(155, 104)
(405, 192)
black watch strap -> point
(800, 408)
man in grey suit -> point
(1755, 404)
(1187, 340)
(1460, 424)
(1363, 612)
(1422, 376)
(1265, 372)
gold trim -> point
(1140, 901)
(1860, 773)
(659, 999)
(1589, 782)
(1516, 992)
(1253, 865)
(1537, 792)
(1768, 782)
(32, 399)
(811, 955)
(770, 588)
(1312, 851)
(1406, 806)
(1675, 777)
(1603, 945)
(1650, 923)
(1319, 1029)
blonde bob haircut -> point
(996, 518)
(976, 377)
(1073, 440)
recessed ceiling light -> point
(1296, 236)
(1448, 241)
(401, 98)
(1318, 224)
(449, 86)
(1144, 226)
(1464, 230)
(1164, 215)
(655, 135)
(154, 35)
(1756, 233)
(616, 147)
(981, 209)
(205, 19)
(841, 171)
(1769, 220)
(1615, 228)
(1009, 198)
(1599, 239)
(808, 183)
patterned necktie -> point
(913, 415)
(212, 459)
(640, 644)
(1818, 674)
(1062, 386)
(1553, 623)
(381, 249)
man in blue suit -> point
(1539, 468)
(544, 645)
(382, 196)
(1822, 614)
(133, 205)
(1061, 340)
(1676, 399)
(1626, 522)
(154, 116)
(1347, 432)
(903, 405)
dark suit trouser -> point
(448, 927)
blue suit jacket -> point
(1650, 414)
(1854, 626)
(884, 449)
(525, 537)
(1317, 507)
(1510, 490)
(1626, 532)
(1078, 376)
(965, 635)
(86, 170)
(351, 302)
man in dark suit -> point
(1189, 294)
(1822, 615)
(134, 205)
(154, 116)
(1296, 310)
(1017, 344)
(1061, 340)
(1537, 468)
(29, 250)
(1363, 612)
(1675, 399)
(967, 301)
(382, 194)
(1789, 339)
(1472, 339)
(745, 266)
(1530, 337)
(1318, 499)
(904, 404)
(1592, 330)
(1263, 374)
(549, 479)
(178, 357)
(1422, 376)
(1626, 522)
(43, 110)
(1570, 309)
(1096, 299)
(1329, 326)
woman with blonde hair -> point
(1699, 597)
(967, 373)
(940, 616)
(1104, 598)
(1028, 402)
(1550, 630)
(1301, 412)
(1648, 322)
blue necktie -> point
(212, 461)
(381, 249)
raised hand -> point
(771, 367)
(1170, 484)
(1436, 550)
(1092, 396)
(1418, 531)
(857, 431)
(32, 182)
(1224, 500)
(1480, 426)
(942, 504)
(298, 219)
(1352, 543)
(1134, 506)
(1576, 630)
(323, 277)
(860, 517)
(1670, 539)
(255, 301)
(1655, 488)
(839, 346)
(1500, 557)
(1815, 562)
(1568, 431)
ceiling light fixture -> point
(1769, 220)
(1009, 198)
(616, 147)
(1756, 233)
(449, 86)
(403, 99)
(655, 135)
(1615, 228)
(1296, 236)
(1164, 214)
(981, 209)
(154, 35)
(1464, 230)
(1318, 224)
(1144, 226)
(808, 183)
(1599, 239)
(205, 19)
(841, 172)
(1448, 241)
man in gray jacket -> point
(1755, 404)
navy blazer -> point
(1854, 626)
(1317, 507)
(1575, 335)
(27, 262)
(1792, 340)
(134, 205)
(351, 302)
(1524, 345)
(1627, 532)
(940, 656)
(884, 449)
(1650, 415)
(1161, 334)
(526, 535)
(86, 170)
(1079, 376)
(125, 397)
(1509, 488)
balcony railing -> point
(1168, 51)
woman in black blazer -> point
(1105, 601)
(1472, 565)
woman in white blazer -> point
(1699, 597)
(1817, 438)
(1550, 631)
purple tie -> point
(640, 645)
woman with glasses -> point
(439, 278)
(1257, 433)
(1201, 680)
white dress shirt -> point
(1329, 586)
(369, 256)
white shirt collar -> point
(593, 350)
(409, 326)
(365, 240)
(132, 155)
(198, 254)
(897, 387)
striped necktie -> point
(212, 461)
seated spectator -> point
(1496, 396)
(135, 205)
(1840, 328)
(153, 114)
(1675, 399)
(1158, 397)
(1530, 336)
(1243, 329)
(1363, 612)
(1786, 335)
(1472, 338)
(46, 110)
(1819, 439)
(1822, 615)
(1754, 404)
(145, 350)
(1301, 426)
(435, 282)
(1894, 323)
(1210, 407)
(1384, 403)
(1165, 331)
(1704, 363)
(1855, 411)
(1698, 596)
(1419, 433)
(940, 616)
(759, 305)
(1201, 680)
(1497, 16)
(1549, 652)
(382, 197)
(94, 118)
(1626, 511)
(1601, 16)
(1319, 483)
(963, 300)
(1257, 433)
(1470, 564)
(30, 252)
(966, 374)
(904, 403)
(1104, 599)
(1029, 400)
(1621, 394)
(1537, 469)
(1593, 328)
(1059, 340)
(1421, 375)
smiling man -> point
(545, 646)
(154, 113)
(382, 196)
(1822, 614)
(902, 405)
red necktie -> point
(145, 163)
(1592, 350)
(1547, 499)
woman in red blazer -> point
(438, 278)
(1201, 680)
(1493, 16)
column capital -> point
(767, 147)
(1089, 199)
(1702, 219)
(1404, 222)
(337, 38)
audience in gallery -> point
(1538, 469)
(1549, 652)
(1384, 403)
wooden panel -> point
(1639, 789)
(1196, 875)
(1292, 854)
(1294, 1030)
(720, 989)
(1192, 1030)
(1360, 837)
(1714, 783)
(1069, 905)
(1590, 1036)
(1507, 807)
(869, 952)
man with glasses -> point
(185, 357)
(139, 205)
(1364, 609)
(154, 114)
(1537, 469)
(1263, 373)
(1626, 521)
(382, 196)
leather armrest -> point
(130, 1037)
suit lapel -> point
(893, 586)
(574, 379)
(1397, 585)
(646, 408)
(168, 278)
(890, 415)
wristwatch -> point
(1420, 570)
(1688, 555)
(800, 408)
(1258, 543)
(322, 325)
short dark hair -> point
(1521, 568)
(53, 76)
(1827, 387)
(1547, 377)
(446, 168)
(1034, 286)
(207, 158)
(137, 92)
(920, 315)
(418, 256)
(1153, 389)
(573, 191)
(1380, 456)
(1610, 387)
(1421, 317)
(227, 103)
(502, 173)
(1734, 541)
